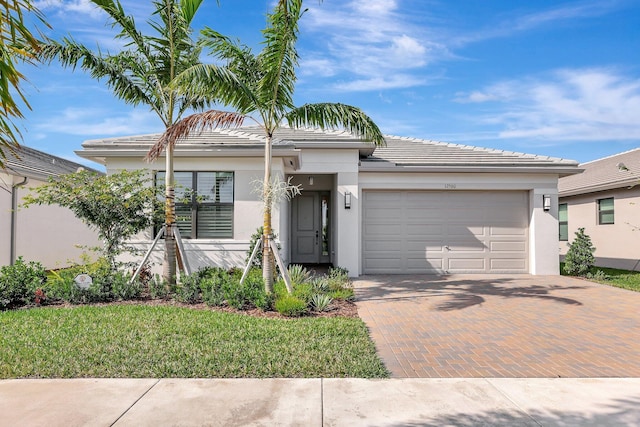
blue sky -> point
(549, 77)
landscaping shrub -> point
(187, 290)
(19, 282)
(290, 306)
(579, 258)
(106, 285)
(158, 288)
(298, 274)
(211, 288)
(122, 288)
(304, 291)
(320, 302)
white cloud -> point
(84, 7)
(382, 82)
(91, 121)
(373, 41)
(567, 105)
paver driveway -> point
(498, 326)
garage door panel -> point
(468, 246)
(506, 231)
(423, 264)
(424, 245)
(383, 245)
(508, 264)
(445, 231)
(382, 230)
(456, 230)
(509, 247)
(466, 264)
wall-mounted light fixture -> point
(310, 180)
(347, 200)
(546, 202)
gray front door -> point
(310, 228)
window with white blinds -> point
(204, 204)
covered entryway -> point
(445, 232)
(310, 228)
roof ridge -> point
(610, 156)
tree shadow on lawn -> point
(460, 293)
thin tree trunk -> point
(267, 256)
(169, 265)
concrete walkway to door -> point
(517, 326)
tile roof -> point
(617, 171)
(38, 164)
(403, 151)
(399, 151)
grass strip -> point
(121, 341)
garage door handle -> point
(447, 247)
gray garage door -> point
(445, 232)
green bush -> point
(290, 306)
(187, 290)
(320, 302)
(343, 294)
(338, 279)
(158, 288)
(211, 288)
(304, 291)
(19, 282)
(123, 289)
(298, 274)
(106, 285)
(579, 258)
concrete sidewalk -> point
(321, 402)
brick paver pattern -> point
(496, 326)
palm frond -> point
(220, 83)
(279, 58)
(336, 116)
(198, 122)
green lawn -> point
(160, 341)
(612, 276)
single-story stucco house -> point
(605, 201)
(414, 206)
(49, 234)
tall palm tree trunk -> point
(169, 265)
(267, 255)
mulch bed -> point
(337, 308)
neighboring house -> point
(48, 234)
(414, 206)
(605, 201)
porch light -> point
(347, 200)
(546, 202)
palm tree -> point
(262, 85)
(16, 43)
(143, 73)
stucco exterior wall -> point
(617, 245)
(49, 234)
(247, 216)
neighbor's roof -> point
(38, 164)
(617, 171)
(399, 153)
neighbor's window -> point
(204, 204)
(563, 222)
(605, 211)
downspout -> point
(14, 214)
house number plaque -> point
(450, 186)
